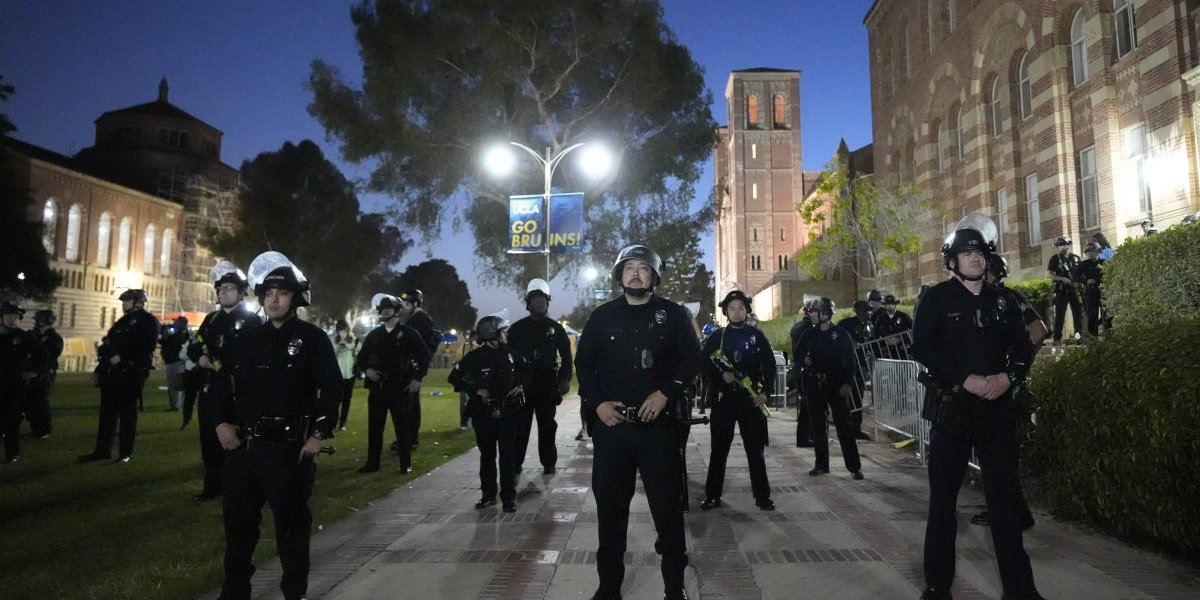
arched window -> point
(49, 224)
(148, 250)
(940, 139)
(164, 253)
(1124, 26)
(779, 112)
(957, 133)
(995, 117)
(104, 239)
(1025, 86)
(124, 233)
(751, 111)
(1079, 66)
(74, 221)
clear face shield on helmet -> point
(268, 262)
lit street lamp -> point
(595, 161)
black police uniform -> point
(37, 399)
(218, 337)
(861, 332)
(1065, 294)
(803, 437)
(133, 337)
(423, 324)
(826, 359)
(625, 353)
(20, 353)
(500, 371)
(400, 356)
(750, 354)
(1090, 276)
(543, 343)
(277, 376)
(172, 343)
(956, 334)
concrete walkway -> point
(831, 538)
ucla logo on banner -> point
(526, 224)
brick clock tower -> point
(758, 179)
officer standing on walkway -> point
(635, 356)
(826, 356)
(22, 357)
(803, 428)
(393, 361)
(1061, 268)
(214, 349)
(975, 346)
(37, 400)
(733, 358)
(413, 315)
(286, 391)
(126, 357)
(862, 331)
(543, 343)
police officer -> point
(273, 426)
(975, 346)
(413, 315)
(393, 360)
(738, 355)
(875, 302)
(126, 357)
(172, 341)
(37, 404)
(862, 331)
(826, 354)
(637, 352)
(543, 343)
(22, 357)
(215, 351)
(803, 428)
(494, 375)
(1062, 267)
(1089, 275)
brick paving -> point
(831, 538)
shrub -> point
(1154, 279)
(1036, 292)
(1116, 443)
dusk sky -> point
(241, 67)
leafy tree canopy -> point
(297, 202)
(442, 80)
(446, 297)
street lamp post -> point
(549, 164)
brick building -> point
(1055, 117)
(129, 212)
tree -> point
(868, 230)
(441, 79)
(25, 270)
(446, 296)
(297, 202)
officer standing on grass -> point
(413, 315)
(1061, 268)
(732, 357)
(126, 357)
(1090, 276)
(37, 401)
(393, 361)
(22, 357)
(286, 391)
(543, 343)
(215, 349)
(826, 356)
(974, 343)
(635, 357)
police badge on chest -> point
(294, 346)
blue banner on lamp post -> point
(566, 223)
(527, 224)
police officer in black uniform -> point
(494, 376)
(22, 357)
(413, 315)
(974, 343)
(274, 425)
(803, 428)
(393, 359)
(1062, 267)
(126, 357)
(636, 354)
(37, 403)
(734, 357)
(1089, 275)
(543, 343)
(826, 355)
(861, 330)
(214, 349)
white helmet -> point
(538, 285)
(272, 269)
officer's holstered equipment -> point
(962, 414)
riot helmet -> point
(226, 272)
(381, 301)
(823, 306)
(45, 318)
(272, 269)
(973, 232)
(537, 286)
(489, 328)
(997, 267)
(138, 296)
(875, 296)
(1062, 240)
(9, 307)
(861, 307)
(642, 253)
(414, 295)
(730, 297)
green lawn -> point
(113, 531)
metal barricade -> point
(779, 397)
(897, 398)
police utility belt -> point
(274, 430)
(960, 413)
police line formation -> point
(270, 390)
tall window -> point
(959, 129)
(124, 233)
(49, 224)
(995, 118)
(940, 143)
(751, 111)
(1002, 211)
(1025, 86)
(951, 15)
(1135, 164)
(164, 253)
(104, 239)
(1125, 26)
(148, 250)
(74, 221)
(779, 112)
(1079, 66)
(1089, 191)
(1033, 210)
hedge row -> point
(1154, 279)
(1118, 437)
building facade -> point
(1054, 117)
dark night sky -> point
(241, 66)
